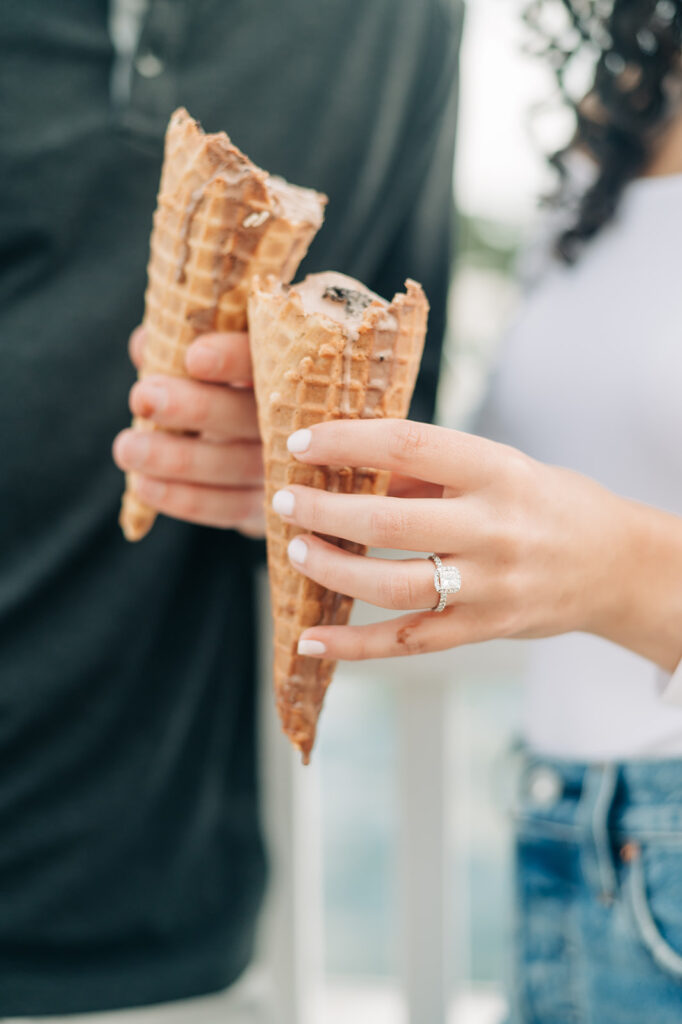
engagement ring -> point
(447, 579)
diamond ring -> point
(447, 580)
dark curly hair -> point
(634, 47)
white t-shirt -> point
(590, 378)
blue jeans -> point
(599, 893)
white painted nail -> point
(299, 441)
(298, 550)
(283, 503)
(311, 647)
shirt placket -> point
(154, 83)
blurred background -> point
(397, 878)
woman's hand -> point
(206, 466)
(541, 550)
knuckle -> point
(387, 527)
(504, 540)
(250, 461)
(396, 591)
(508, 548)
(406, 441)
(357, 649)
(312, 511)
(172, 408)
(149, 459)
(199, 407)
(517, 547)
(519, 470)
(509, 588)
(521, 464)
(178, 459)
(507, 620)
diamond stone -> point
(448, 580)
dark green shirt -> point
(131, 862)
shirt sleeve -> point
(672, 688)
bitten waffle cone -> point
(324, 349)
(219, 221)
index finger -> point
(436, 454)
(136, 346)
(222, 358)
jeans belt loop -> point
(599, 789)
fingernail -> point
(299, 441)
(283, 503)
(311, 647)
(153, 398)
(203, 361)
(298, 550)
(133, 448)
(152, 491)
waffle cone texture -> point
(219, 222)
(306, 370)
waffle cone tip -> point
(324, 349)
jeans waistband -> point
(638, 799)
(641, 783)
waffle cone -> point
(307, 371)
(219, 221)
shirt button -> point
(148, 65)
(544, 786)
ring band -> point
(447, 579)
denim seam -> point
(662, 952)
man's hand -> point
(206, 465)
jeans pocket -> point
(653, 886)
